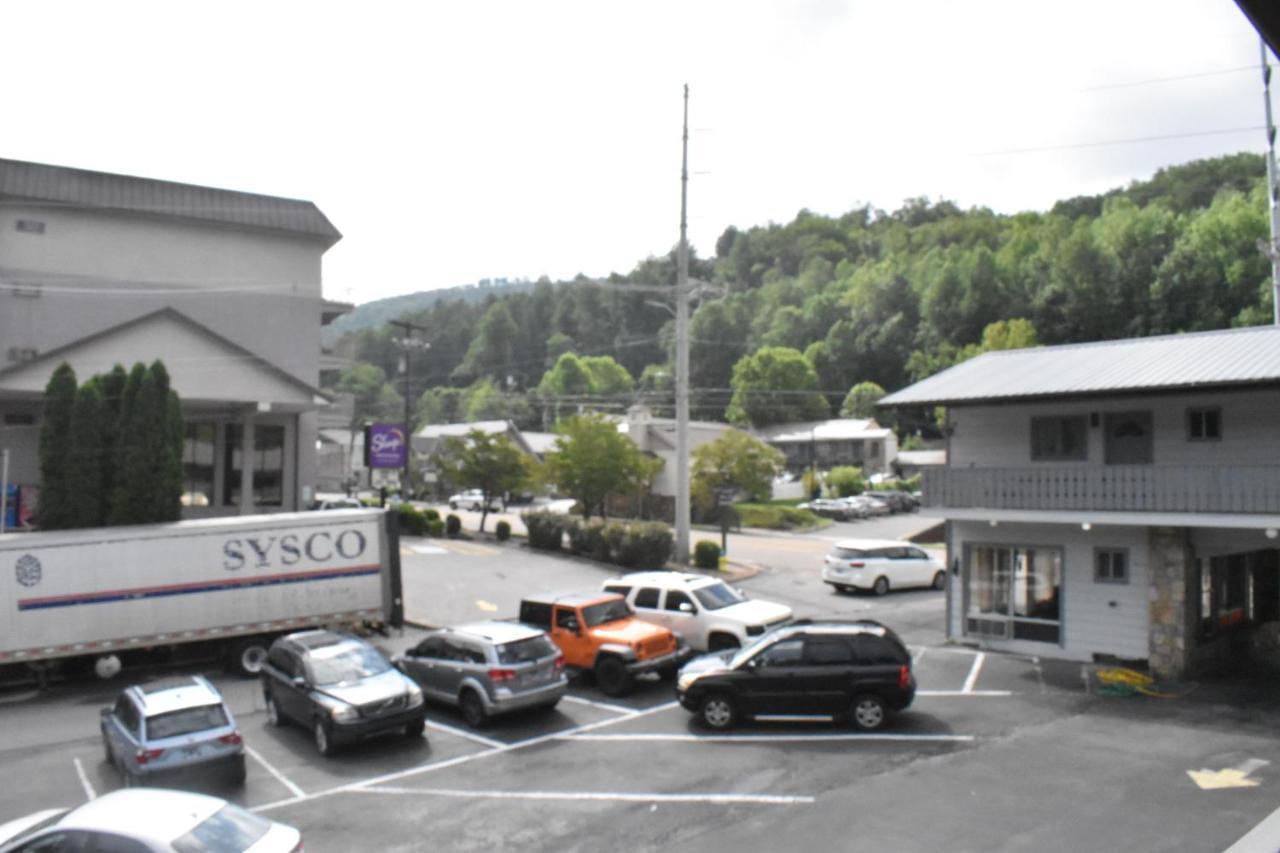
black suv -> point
(858, 671)
(339, 687)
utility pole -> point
(682, 354)
(407, 345)
(1272, 249)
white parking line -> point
(280, 777)
(919, 656)
(783, 738)
(84, 780)
(480, 739)
(462, 759)
(973, 672)
(978, 693)
(718, 799)
(604, 706)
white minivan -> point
(881, 565)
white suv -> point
(881, 565)
(706, 612)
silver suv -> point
(488, 668)
(169, 727)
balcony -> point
(1218, 489)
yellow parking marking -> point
(470, 549)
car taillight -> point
(904, 676)
(856, 565)
(232, 739)
(500, 675)
(297, 849)
(145, 755)
(559, 662)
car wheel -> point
(868, 712)
(881, 585)
(415, 729)
(718, 711)
(273, 712)
(940, 580)
(612, 677)
(237, 774)
(453, 504)
(324, 738)
(248, 656)
(472, 709)
(721, 642)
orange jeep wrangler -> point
(599, 633)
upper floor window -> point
(1059, 438)
(1204, 424)
(1111, 565)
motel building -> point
(1115, 501)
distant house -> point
(1114, 500)
(657, 437)
(222, 286)
(842, 441)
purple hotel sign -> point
(386, 446)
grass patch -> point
(775, 516)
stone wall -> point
(1171, 620)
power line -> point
(1158, 80)
(1103, 144)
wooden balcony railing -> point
(1113, 488)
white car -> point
(880, 565)
(149, 819)
(473, 499)
(707, 613)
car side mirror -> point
(299, 681)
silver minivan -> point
(172, 726)
(487, 668)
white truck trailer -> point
(230, 584)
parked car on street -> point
(600, 634)
(829, 508)
(897, 501)
(170, 728)
(149, 820)
(880, 565)
(339, 687)
(473, 499)
(487, 668)
(870, 507)
(704, 611)
(335, 502)
(859, 671)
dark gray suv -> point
(339, 687)
(488, 668)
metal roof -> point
(1248, 356)
(65, 186)
(836, 429)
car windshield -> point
(231, 829)
(606, 611)
(39, 825)
(847, 553)
(524, 651)
(717, 595)
(749, 651)
(351, 663)
(186, 721)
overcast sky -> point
(456, 141)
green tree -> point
(372, 398)
(607, 377)
(735, 460)
(846, 480)
(592, 460)
(775, 385)
(861, 400)
(485, 461)
(491, 351)
(55, 512)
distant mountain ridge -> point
(372, 315)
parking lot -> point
(998, 752)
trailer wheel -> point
(107, 667)
(248, 656)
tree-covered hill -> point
(884, 297)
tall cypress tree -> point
(53, 512)
(87, 458)
(129, 492)
(112, 386)
(165, 454)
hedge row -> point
(417, 522)
(775, 517)
(633, 545)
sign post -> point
(724, 502)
